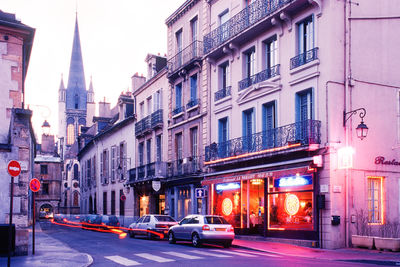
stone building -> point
(17, 139)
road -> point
(107, 249)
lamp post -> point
(362, 129)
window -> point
(178, 97)
(223, 22)
(249, 61)
(271, 52)
(141, 150)
(141, 108)
(45, 188)
(193, 142)
(305, 31)
(375, 200)
(113, 163)
(304, 104)
(94, 170)
(112, 202)
(158, 148)
(76, 172)
(268, 125)
(193, 91)
(149, 110)
(248, 128)
(178, 146)
(122, 158)
(157, 100)
(193, 27)
(88, 173)
(178, 36)
(148, 151)
(224, 75)
(70, 134)
(223, 137)
(104, 202)
(104, 165)
(43, 169)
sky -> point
(116, 36)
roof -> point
(180, 11)
(47, 158)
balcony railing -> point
(304, 132)
(141, 172)
(241, 21)
(259, 77)
(178, 110)
(151, 170)
(304, 58)
(143, 125)
(193, 51)
(132, 175)
(192, 103)
(157, 119)
(188, 166)
(224, 92)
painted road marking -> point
(210, 254)
(153, 257)
(122, 260)
(234, 253)
(182, 255)
(257, 253)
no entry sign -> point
(34, 185)
(123, 198)
(13, 168)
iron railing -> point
(304, 58)
(132, 175)
(303, 132)
(178, 110)
(192, 103)
(192, 51)
(143, 125)
(150, 169)
(241, 21)
(188, 166)
(141, 172)
(157, 119)
(259, 77)
(224, 92)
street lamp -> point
(362, 129)
(46, 127)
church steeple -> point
(90, 95)
(76, 90)
(61, 91)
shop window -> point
(375, 200)
(291, 203)
(227, 202)
(184, 202)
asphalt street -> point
(107, 249)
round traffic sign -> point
(13, 168)
(34, 185)
(123, 197)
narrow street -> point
(108, 250)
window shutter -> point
(101, 168)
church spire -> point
(62, 87)
(76, 90)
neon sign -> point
(292, 204)
(227, 186)
(293, 181)
(227, 207)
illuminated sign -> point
(292, 204)
(227, 186)
(381, 160)
(293, 181)
(227, 207)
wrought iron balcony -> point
(143, 126)
(246, 18)
(304, 58)
(157, 119)
(190, 53)
(224, 92)
(259, 77)
(303, 133)
(132, 175)
(151, 169)
(192, 103)
(141, 172)
(178, 110)
(187, 166)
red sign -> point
(14, 169)
(34, 185)
(123, 197)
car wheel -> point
(171, 238)
(227, 244)
(131, 234)
(149, 235)
(196, 240)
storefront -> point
(276, 203)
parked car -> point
(109, 221)
(148, 224)
(202, 229)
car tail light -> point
(205, 227)
(161, 226)
(103, 224)
(230, 229)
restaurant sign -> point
(382, 161)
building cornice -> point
(180, 12)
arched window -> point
(76, 172)
(70, 134)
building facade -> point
(17, 139)
(187, 108)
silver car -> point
(202, 229)
(152, 225)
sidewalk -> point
(344, 254)
(49, 252)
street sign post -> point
(200, 192)
(34, 185)
(14, 169)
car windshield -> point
(164, 219)
(215, 220)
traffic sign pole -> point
(33, 223)
(10, 223)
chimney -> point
(137, 81)
(104, 109)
